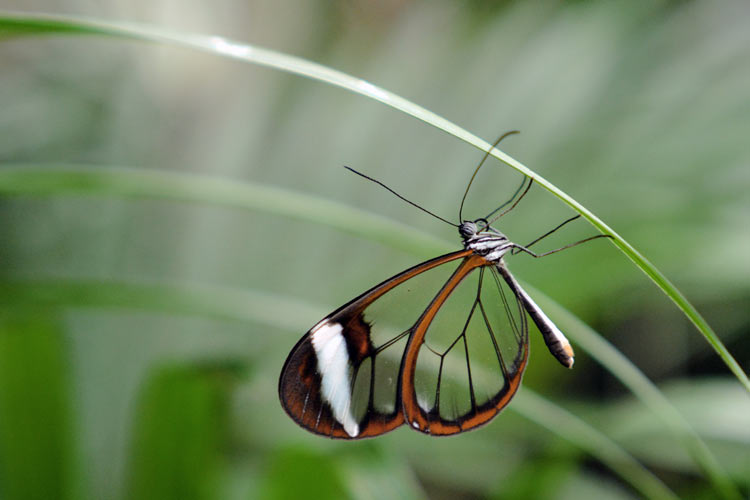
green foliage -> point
(178, 440)
(37, 449)
(301, 473)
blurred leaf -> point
(301, 473)
(178, 437)
(370, 471)
(555, 477)
(37, 454)
(583, 435)
(361, 472)
(727, 432)
(138, 183)
(536, 479)
(207, 301)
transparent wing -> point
(467, 352)
(342, 378)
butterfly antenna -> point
(399, 196)
(486, 155)
(531, 181)
(523, 183)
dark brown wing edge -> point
(300, 380)
(431, 422)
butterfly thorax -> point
(485, 240)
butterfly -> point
(440, 347)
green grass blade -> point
(22, 23)
(204, 301)
(569, 427)
(296, 473)
(18, 180)
(38, 457)
(168, 447)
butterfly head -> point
(483, 239)
(468, 229)
(472, 229)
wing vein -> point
(506, 306)
(494, 341)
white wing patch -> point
(333, 365)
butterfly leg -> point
(520, 248)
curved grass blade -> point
(27, 180)
(23, 23)
(571, 428)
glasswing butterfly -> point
(440, 347)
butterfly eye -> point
(467, 229)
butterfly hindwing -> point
(467, 353)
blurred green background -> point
(141, 338)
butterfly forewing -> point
(342, 378)
(472, 355)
